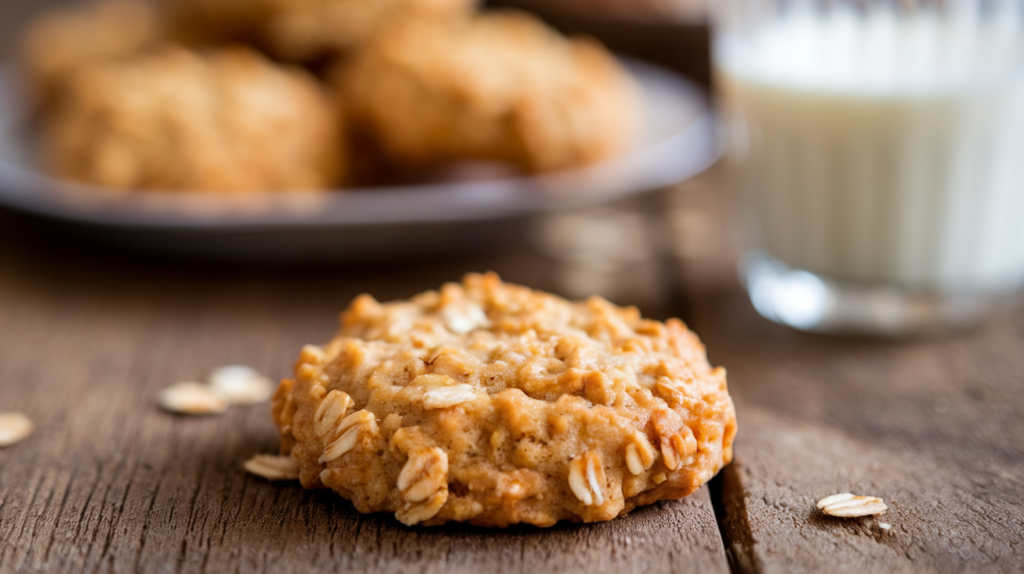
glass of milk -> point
(877, 148)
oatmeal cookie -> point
(501, 86)
(58, 43)
(494, 404)
(175, 120)
(302, 30)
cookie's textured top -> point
(498, 86)
(495, 404)
(176, 120)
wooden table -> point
(108, 482)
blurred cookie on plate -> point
(60, 42)
(176, 120)
(302, 30)
(500, 86)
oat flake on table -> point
(847, 505)
(14, 427)
(273, 467)
(241, 385)
(226, 386)
(192, 398)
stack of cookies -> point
(278, 95)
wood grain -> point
(933, 426)
(109, 483)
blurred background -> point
(671, 32)
(633, 251)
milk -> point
(882, 148)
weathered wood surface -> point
(110, 483)
(935, 427)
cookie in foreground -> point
(494, 404)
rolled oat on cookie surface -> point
(495, 404)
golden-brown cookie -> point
(175, 120)
(60, 42)
(494, 404)
(501, 86)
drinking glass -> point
(877, 152)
